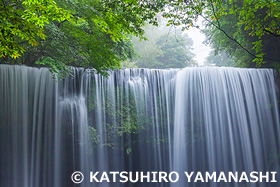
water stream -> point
(194, 119)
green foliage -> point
(256, 22)
(184, 13)
(128, 64)
(164, 49)
(97, 35)
(94, 137)
(220, 59)
(128, 150)
(175, 52)
(248, 30)
(121, 120)
(56, 67)
(221, 43)
(24, 21)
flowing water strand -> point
(194, 119)
(225, 120)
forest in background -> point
(165, 47)
(100, 34)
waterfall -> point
(229, 118)
(198, 119)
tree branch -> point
(273, 34)
(214, 12)
(223, 31)
(58, 25)
(233, 39)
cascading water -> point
(195, 119)
(229, 120)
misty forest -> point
(139, 86)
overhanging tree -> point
(254, 18)
(24, 21)
(109, 24)
(92, 33)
